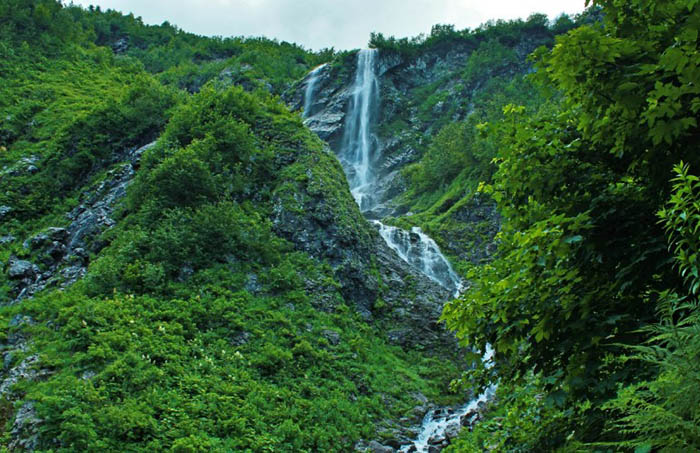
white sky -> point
(316, 24)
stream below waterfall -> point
(358, 154)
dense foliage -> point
(504, 32)
(583, 270)
(197, 327)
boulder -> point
(4, 211)
(452, 430)
(21, 269)
(376, 447)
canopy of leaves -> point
(583, 262)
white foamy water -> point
(421, 251)
(359, 143)
(311, 80)
(438, 421)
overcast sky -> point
(343, 24)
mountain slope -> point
(232, 292)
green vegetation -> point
(445, 36)
(592, 325)
(201, 326)
(197, 326)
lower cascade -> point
(420, 250)
(439, 425)
(443, 423)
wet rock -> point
(438, 439)
(332, 336)
(452, 430)
(19, 269)
(4, 240)
(25, 429)
(469, 419)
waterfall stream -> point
(438, 422)
(358, 154)
(359, 143)
(419, 250)
(312, 78)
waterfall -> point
(359, 143)
(419, 250)
(311, 80)
(358, 154)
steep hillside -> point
(236, 244)
(189, 272)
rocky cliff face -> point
(378, 283)
(419, 94)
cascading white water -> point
(359, 143)
(419, 250)
(439, 421)
(312, 78)
(358, 154)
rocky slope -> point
(233, 235)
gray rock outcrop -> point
(62, 253)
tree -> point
(582, 260)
